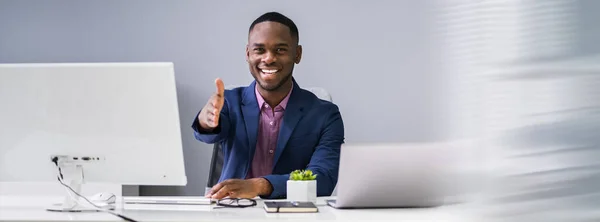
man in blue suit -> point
(271, 127)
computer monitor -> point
(101, 122)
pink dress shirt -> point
(268, 131)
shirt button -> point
(271, 151)
(271, 123)
(267, 106)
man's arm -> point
(324, 162)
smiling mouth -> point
(269, 71)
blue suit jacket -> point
(309, 138)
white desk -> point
(20, 208)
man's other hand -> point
(237, 188)
(209, 116)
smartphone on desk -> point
(290, 207)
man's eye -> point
(259, 50)
(281, 50)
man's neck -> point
(273, 98)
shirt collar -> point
(261, 100)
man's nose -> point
(269, 58)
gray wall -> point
(370, 57)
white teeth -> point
(269, 70)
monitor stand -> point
(72, 175)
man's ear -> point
(298, 54)
(247, 53)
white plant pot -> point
(305, 190)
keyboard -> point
(178, 200)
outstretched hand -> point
(209, 116)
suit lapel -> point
(250, 113)
(293, 114)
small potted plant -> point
(302, 186)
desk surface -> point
(32, 208)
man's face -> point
(271, 54)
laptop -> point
(402, 175)
(177, 200)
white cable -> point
(96, 207)
(66, 189)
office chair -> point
(216, 163)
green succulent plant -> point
(302, 175)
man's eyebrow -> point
(277, 45)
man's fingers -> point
(210, 121)
(240, 194)
(214, 189)
(220, 87)
(217, 187)
(211, 115)
(217, 102)
(213, 118)
(212, 111)
(222, 193)
(216, 110)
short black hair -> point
(279, 18)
